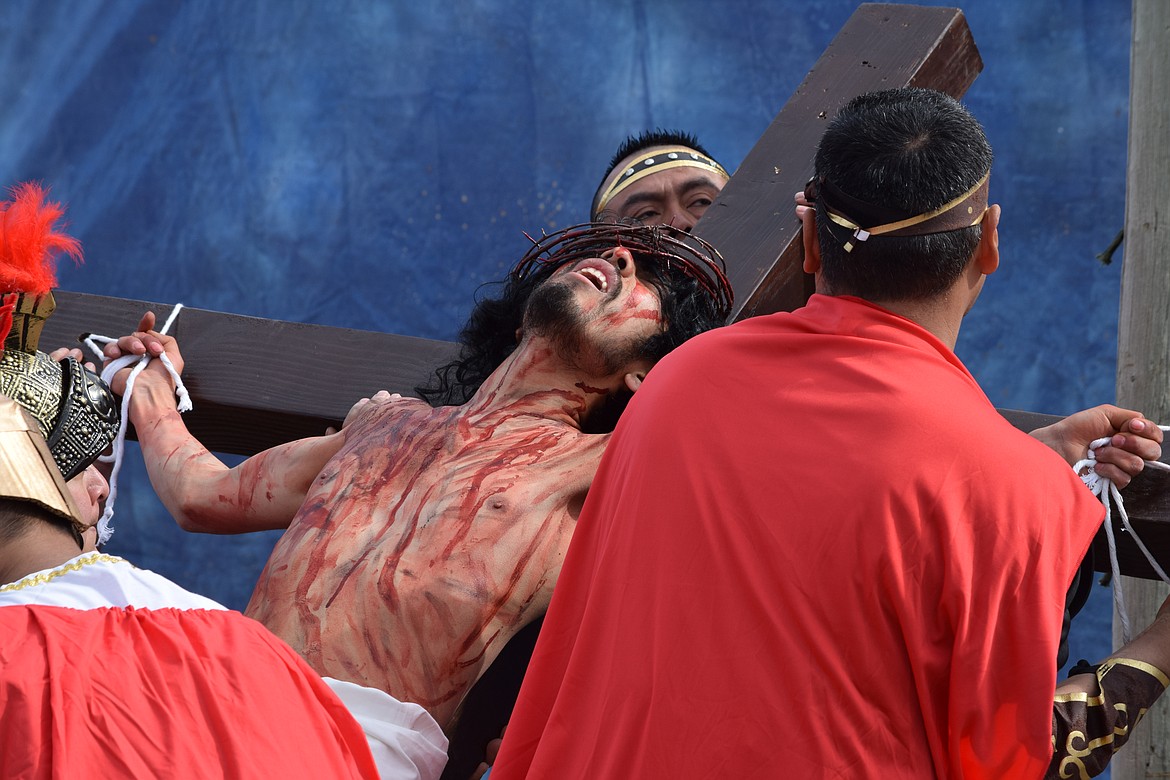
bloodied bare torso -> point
(425, 543)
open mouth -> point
(596, 277)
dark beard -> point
(551, 313)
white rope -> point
(105, 531)
(1104, 489)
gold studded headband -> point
(848, 215)
(648, 162)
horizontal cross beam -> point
(254, 382)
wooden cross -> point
(250, 392)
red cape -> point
(813, 549)
(137, 693)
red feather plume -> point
(28, 243)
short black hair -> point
(656, 137)
(18, 517)
(912, 150)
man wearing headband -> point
(661, 177)
(419, 539)
(814, 549)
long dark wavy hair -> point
(688, 274)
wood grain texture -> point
(254, 382)
(1143, 348)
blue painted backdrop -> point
(369, 164)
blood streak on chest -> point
(371, 504)
(443, 533)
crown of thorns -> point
(672, 249)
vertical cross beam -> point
(752, 223)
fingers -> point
(143, 341)
(492, 751)
(138, 343)
(126, 345)
(1144, 428)
(803, 205)
(1127, 420)
(1139, 445)
(63, 352)
(1137, 440)
(377, 399)
(1118, 466)
(1118, 477)
(380, 397)
(1126, 430)
(1124, 456)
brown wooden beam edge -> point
(752, 223)
(256, 383)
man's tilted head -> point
(686, 274)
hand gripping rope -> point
(184, 405)
(1109, 494)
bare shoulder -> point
(381, 421)
(381, 404)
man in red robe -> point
(813, 548)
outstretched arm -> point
(203, 494)
(1133, 440)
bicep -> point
(263, 492)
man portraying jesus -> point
(420, 539)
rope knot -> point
(105, 531)
(1103, 488)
